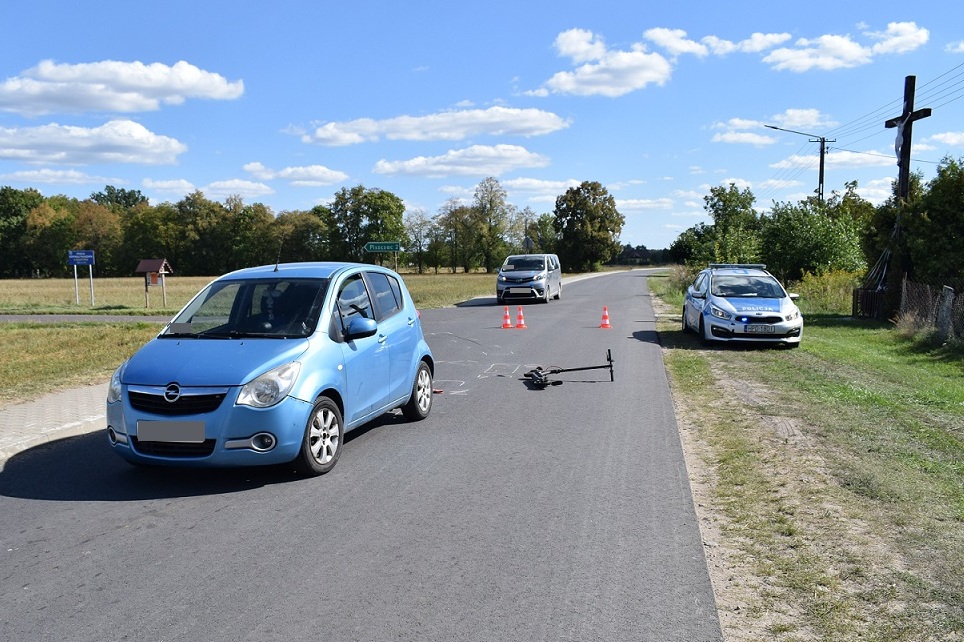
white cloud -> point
(536, 185)
(173, 187)
(804, 119)
(110, 86)
(631, 205)
(825, 52)
(58, 176)
(900, 37)
(304, 176)
(236, 186)
(829, 52)
(602, 72)
(877, 191)
(675, 42)
(747, 138)
(447, 125)
(954, 139)
(477, 160)
(581, 45)
(118, 141)
(955, 47)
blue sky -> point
(287, 102)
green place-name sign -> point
(383, 246)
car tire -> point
(703, 338)
(322, 441)
(559, 293)
(685, 327)
(420, 403)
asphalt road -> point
(511, 513)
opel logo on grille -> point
(172, 393)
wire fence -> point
(933, 306)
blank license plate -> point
(519, 290)
(761, 329)
(191, 432)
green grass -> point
(852, 526)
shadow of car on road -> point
(83, 468)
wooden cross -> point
(904, 124)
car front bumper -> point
(231, 435)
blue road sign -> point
(80, 257)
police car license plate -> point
(190, 432)
(759, 329)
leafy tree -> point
(48, 237)
(98, 228)
(121, 200)
(935, 235)
(806, 237)
(15, 205)
(588, 225)
(358, 216)
(491, 214)
(417, 227)
(696, 246)
(735, 222)
(456, 222)
(150, 233)
(543, 233)
(300, 236)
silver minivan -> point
(529, 277)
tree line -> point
(921, 236)
(201, 237)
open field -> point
(829, 480)
(127, 296)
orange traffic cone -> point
(506, 321)
(520, 323)
(605, 320)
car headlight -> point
(793, 316)
(114, 389)
(718, 313)
(271, 387)
(539, 277)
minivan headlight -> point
(114, 389)
(271, 387)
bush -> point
(827, 293)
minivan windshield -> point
(270, 308)
(517, 263)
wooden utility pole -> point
(905, 125)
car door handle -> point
(411, 320)
(382, 338)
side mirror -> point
(360, 328)
(793, 296)
(696, 294)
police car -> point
(741, 303)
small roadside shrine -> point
(154, 271)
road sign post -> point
(385, 246)
(82, 257)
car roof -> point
(313, 270)
(757, 269)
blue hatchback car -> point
(270, 365)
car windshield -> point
(741, 286)
(517, 263)
(269, 308)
